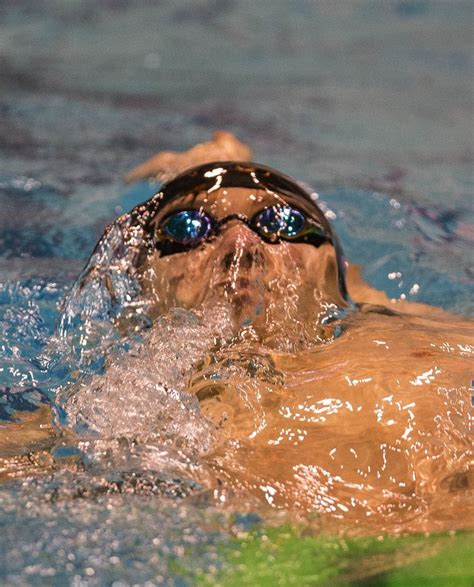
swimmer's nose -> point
(239, 242)
(236, 233)
(246, 260)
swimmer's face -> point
(224, 245)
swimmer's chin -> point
(244, 297)
(239, 291)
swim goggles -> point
(182, 230)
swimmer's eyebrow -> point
(179, 203)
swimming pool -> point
(91, 91)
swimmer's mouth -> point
(237, 285)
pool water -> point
(87, 92)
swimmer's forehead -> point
(224, 201)
(235, 200)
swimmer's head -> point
(245, 234)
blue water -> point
(368, 102)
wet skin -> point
(354, 408)
(370, 427)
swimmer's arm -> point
(28, 431)
(25, 445)
(167, 164)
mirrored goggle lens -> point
(187, 226)
(279, 221)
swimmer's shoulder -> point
(364, 294)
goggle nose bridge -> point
(240, 217)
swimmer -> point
(325, 396)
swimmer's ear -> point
(165, 165)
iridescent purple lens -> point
(280, 221)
